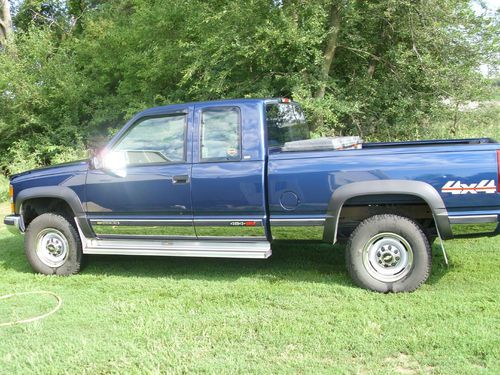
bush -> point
(26, 155)
(480, 122)
(4, 188)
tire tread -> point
(375, 220)
(61, 223)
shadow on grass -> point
(313, 262)
(302, 262)
(296, 262)
(439, 267)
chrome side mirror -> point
(95, 162)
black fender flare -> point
(60, 192)
(379, 187)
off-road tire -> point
(63, 229)
(365, 262)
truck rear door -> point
(228, 170)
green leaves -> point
(393, 65)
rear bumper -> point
(14, 223)
(475, 225)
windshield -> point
(285, 123)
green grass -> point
(297, 312)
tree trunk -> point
(5, 22)
(291, 6)
(371, 67)
(331, 46)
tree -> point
(5, 21)
(377, 68)
(330, 48)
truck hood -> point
(67, 167)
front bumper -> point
(14, 223)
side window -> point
(155, 140)
(220, 134)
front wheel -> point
(53, 246)
(388, 253)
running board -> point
(180, 248)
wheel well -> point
(359, 208)
(32, 208)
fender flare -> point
(380, 187)
(59, 192)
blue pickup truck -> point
(228, 178)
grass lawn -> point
(297, 312)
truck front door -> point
(149, 192)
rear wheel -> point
(53, 246)
(388, 253)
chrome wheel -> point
(387, 257)
(52, 247)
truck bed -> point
(430, 142)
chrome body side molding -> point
(473, 219)
(311, 228)
(225, 229)
(292, 222)
(475, 225)
(104, 228)
(239, 228)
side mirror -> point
(114, 162)
(95, 162)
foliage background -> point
(73, 71)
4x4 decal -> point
(456, 187)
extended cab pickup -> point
(228, 178)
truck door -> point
(228, 172)
(151, 194)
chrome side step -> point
(184, 248)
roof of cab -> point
(174, 107)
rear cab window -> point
(285, 122)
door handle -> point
(180, 179)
